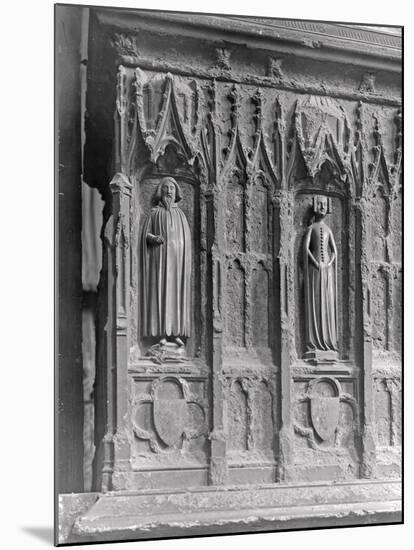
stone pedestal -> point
(320, 357)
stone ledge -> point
(237, 509)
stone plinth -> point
(234, 509)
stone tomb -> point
(249, 326)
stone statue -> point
(166, 274)
(320, 278)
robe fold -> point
(320, 291)
(166, 273)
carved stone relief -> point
(397, 311)
(250, 419)
(237, 423)
(379, 226)
(235, 311)
(383, 414)
(387, 393)
(260, 218)
(397, 227)
(168, 416)
(166, 273)
(320, 279)
(379, 308)
(235, 214)
(337, 289)
(260, 306)
(264, 282)
(326, 417)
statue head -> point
(321, 205)
(168, 191)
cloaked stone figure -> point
(320, 278)
(166, 274)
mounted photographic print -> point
(229, 274)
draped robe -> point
(166, 274)
(320, 289)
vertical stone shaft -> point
(218, 464)
(103, 386)
(116, 444)
(215, 234)
(364, 343)
(282, 229)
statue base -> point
(169, 352)
(321, 357)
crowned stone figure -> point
(320, 278)
(166, 273)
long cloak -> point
(320, 298)
(166, 274)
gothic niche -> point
(320, 286)
(235, 214)
(260, 217)
(379, 308)
(264, 427)
(379, 225)
(237, 419)
(397, 228)
(260, 306)
(397, 304)
(235, 310)
(166, 274)
(383, 414)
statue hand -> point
(316, 263)
(313, 259)
(154, 239)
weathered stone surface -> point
(235, 510)
(252, 136)
(70, 507)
